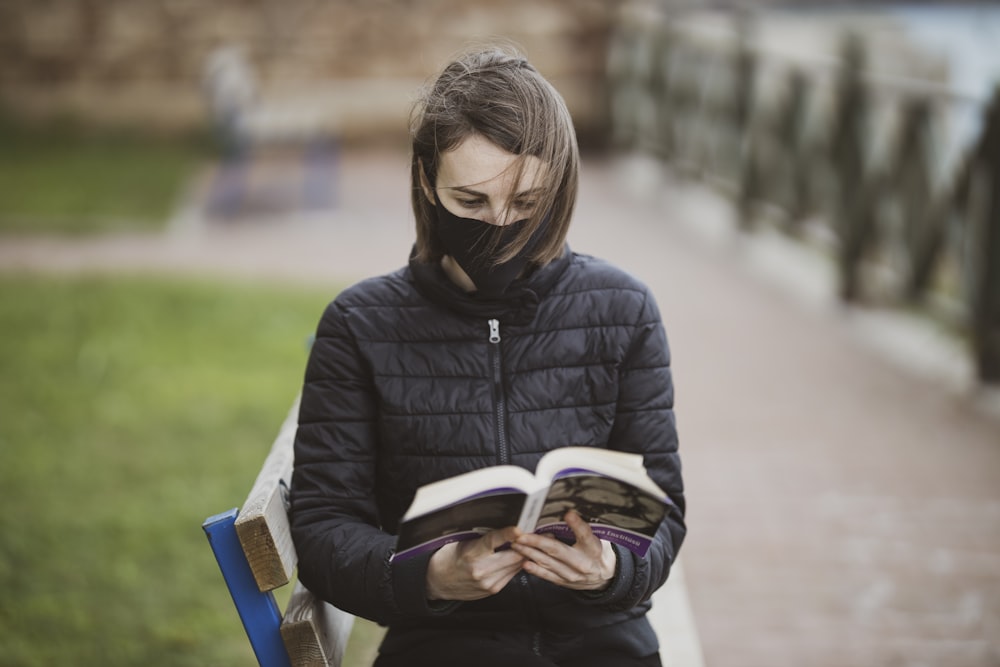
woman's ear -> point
(425, 184)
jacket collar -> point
(516, 306)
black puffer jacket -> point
(404, 386)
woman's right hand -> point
(473, 569)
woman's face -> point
(476, 180)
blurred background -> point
(811, 189)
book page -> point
(625, 466)
(617, 511)
(465, 520)
(468, 485)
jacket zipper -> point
(503, 453)
(499, 402)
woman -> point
(494, 345)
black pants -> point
(485, 650)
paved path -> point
(843, 477)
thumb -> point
(498, 540)
(581, 529)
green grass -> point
(130, 411)
(62, 179)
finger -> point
(544, 544)
(499, 570)
(495, 540)
(554, 571)
(486, 567)
(564, 564)
(479, 564)
(484, 551)
(585, 537)
(505, 572)
(533, 568)
(598, 552)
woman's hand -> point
(588, 565)
(473, 569)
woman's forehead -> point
(481, 165)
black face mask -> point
(468, 242)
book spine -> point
(532, 510)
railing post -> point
(625, 90)
(791, 139)
(986, 295)
(856, 190)
(741, 116)
(661, 92)
(745, 64)
(921, 207)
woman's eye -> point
(470, 203)
(525, 205)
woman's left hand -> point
(588, 565)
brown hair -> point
(497, 94)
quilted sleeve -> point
(645, 424)
(343, 554)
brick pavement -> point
(844, 501)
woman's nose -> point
(501, 217)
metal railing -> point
(900, 176)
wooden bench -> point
(254, 549)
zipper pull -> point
(494, 331)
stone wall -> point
(140, 62)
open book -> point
(610, 490)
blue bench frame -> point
(258, 611)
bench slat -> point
(315, 633)
(262, 525)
